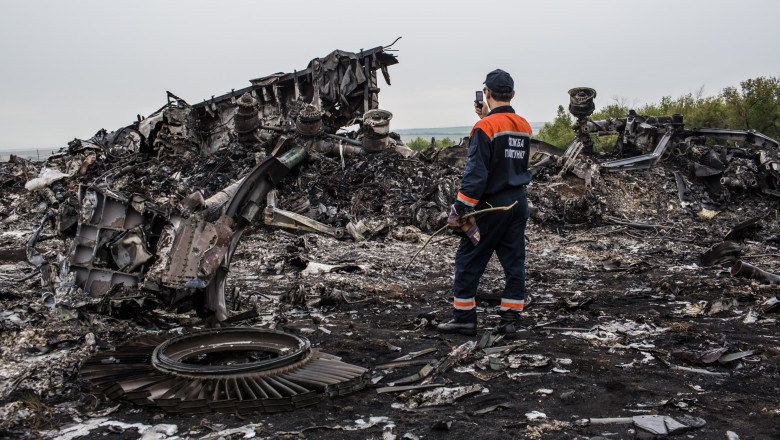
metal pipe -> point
(293, 157)
(750, 271)
(344, 139)
(218, 200)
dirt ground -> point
(622, 320)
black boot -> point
(509, 323)
(453, 326)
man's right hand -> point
(481, 110)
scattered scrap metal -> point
(153, 215)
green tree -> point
(617, 109)
(445, 143)
(559, 131)
(418, 144)
(697, 111)
(755, 107)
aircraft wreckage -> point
(183, 251)
(660, 137)
(285, 115)
(178, 244)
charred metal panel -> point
(277, 217)
(113, 241)
(198, 248)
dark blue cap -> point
(498, 78)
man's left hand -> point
(464, 225)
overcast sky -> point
(70, 68)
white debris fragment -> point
(647, 358)
(314, 269)
(147, 432)
(665, 425)
(535, 415)
(752, 317)
(361, 424)
(46, 177)
(160, 432)
(442, 396)
(544, 391)
(613, 333)
(527, 360)
(249, 431)
(387, 432)
(695, 309)
(722, 305)
(15, 234)
(521, 375)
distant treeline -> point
(755, 105)
(420, 144)
(439, 131)
(420, 138)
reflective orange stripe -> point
(464, 304)
(467, 198)
(498, 122)
(512, 306)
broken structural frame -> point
(661, 133)
(342, 86)
(291, 113)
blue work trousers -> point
(504, 233)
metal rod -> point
(499, 208)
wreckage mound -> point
(385, 188)
(678, 186)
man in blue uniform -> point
(496, 175)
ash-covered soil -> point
(622, 320)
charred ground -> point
(619, 300)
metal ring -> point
(169, 356)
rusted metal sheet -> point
(198, 248)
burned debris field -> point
(238, 269)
